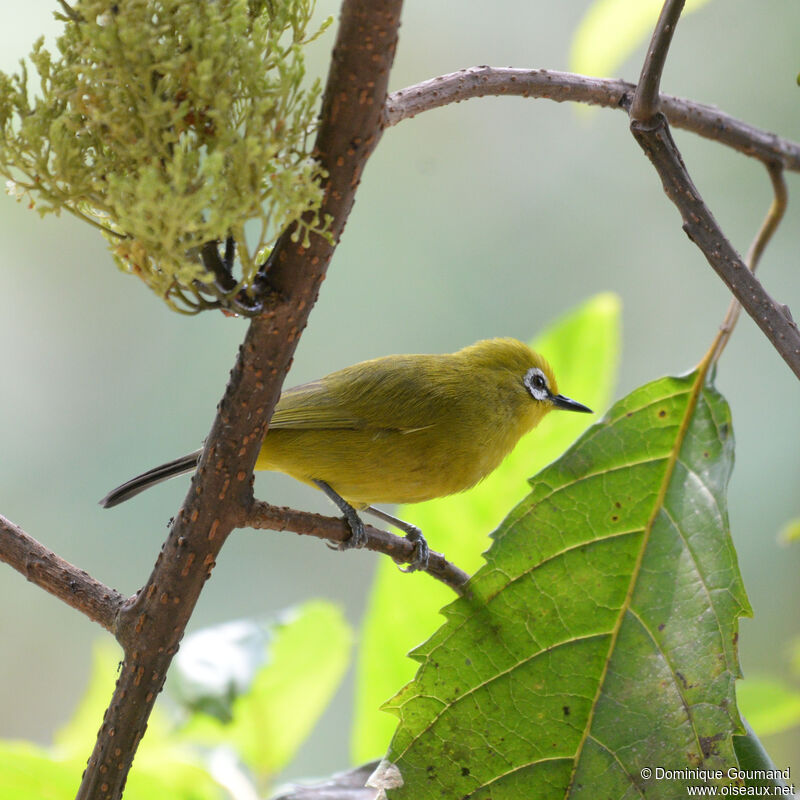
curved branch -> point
(263, 515)
(51, 573)
(704, 120)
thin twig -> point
(768, 227)
(263, 515)
(646, 100)
(39, 565)
(655, 139)
(704, 120)
(773, 218)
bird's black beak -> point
(559, 401)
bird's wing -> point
(312, 405)
(316, 405)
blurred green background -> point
(486, 218)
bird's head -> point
(527, 372)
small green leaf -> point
(308, 653)
(403, 611)
(600, 637)
(770, 705)
(161, 774)
(611, 30)
(790, 532)
(77, 737)
(218, 664)
(272, 685)
(164, 766)
(28, 771)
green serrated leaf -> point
(600, 636)
(611, 30)
(403, 611)
(309, 652)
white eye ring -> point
(536, 383)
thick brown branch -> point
(152, 624)
(655, 139)
(51, 573)
(646, 99)
(264, 515)
(706, 121)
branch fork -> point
(650, 128)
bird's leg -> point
(358, 536)
(413, 534)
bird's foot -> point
(422, 553)
(358, 536)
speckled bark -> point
(151, 625)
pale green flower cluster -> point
(169, 125)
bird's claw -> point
(357, 537)
(422, 553)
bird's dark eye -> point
(538, 382)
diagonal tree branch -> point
(704, 120)
(51, 573)
(152, 623)
(263, 515)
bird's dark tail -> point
(150, 478)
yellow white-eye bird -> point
(399, 429)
